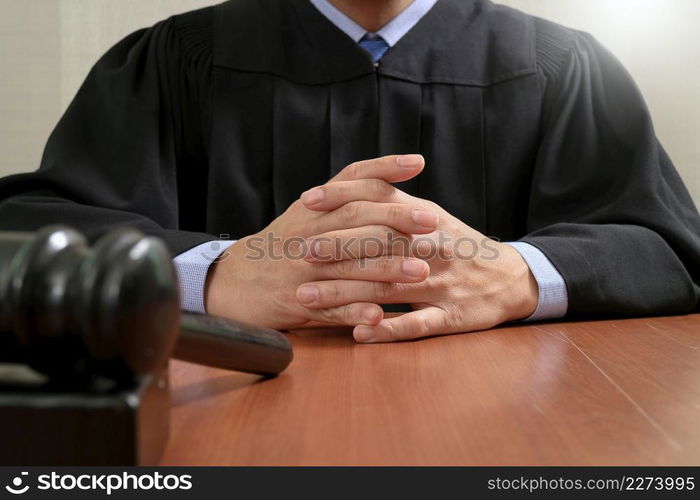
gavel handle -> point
(232, 345)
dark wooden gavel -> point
(69, 309)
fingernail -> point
(313, 196)
(415, 268)
(308, 294)
(363, 333)
(370, 315)
(425, 218)
(409, 161)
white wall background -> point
(48, 46)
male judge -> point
(514, 156)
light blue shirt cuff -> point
(553, 300)
(192, 267)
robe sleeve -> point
(131, 139)
(607, 206)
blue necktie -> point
(375, 45)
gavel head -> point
(111, 309)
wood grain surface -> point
(622, 392)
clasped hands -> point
(357, 242)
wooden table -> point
(620, 392)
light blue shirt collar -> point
(391, 32)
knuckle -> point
(343, 268)
(335, 315)
(385, 267)
(342, 191)
(334, 293)
(350, 213)
(352, 171)
(432, 205)
(379, 189)
(398, 242)
(394, 332)
(347, 314)
(325, 315)
(372, 245)
(451, 322)
(422, 326)
(382, 291)
(323, 249)
(395, 213)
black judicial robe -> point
(214, 121)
